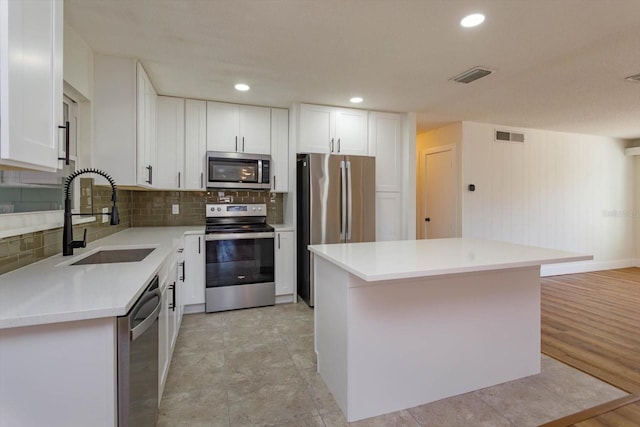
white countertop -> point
(404, 259)
(51, 290)
(282, 227)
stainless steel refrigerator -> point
(335, 204)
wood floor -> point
(591, 321)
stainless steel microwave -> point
(238, 170)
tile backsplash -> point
(137, 209)
(18, 251)
(153, 208)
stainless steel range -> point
(239, 257)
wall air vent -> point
(471, 75)
(634, 78)
(503, 136)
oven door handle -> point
(239, 236)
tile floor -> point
(257, 367)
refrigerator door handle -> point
(343, 200)
(349, 201)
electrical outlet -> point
(105, 218)
(175, 209)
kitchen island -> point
(400, 324)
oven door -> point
(239, 271)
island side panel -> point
(59, 374)
(330, 315)
(415, 341)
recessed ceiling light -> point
(472, 20)
(242, 87)
(356, 100)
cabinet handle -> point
(173, 297)
(332, 145)
(274, 182)
(150, 169)
(184, 271)
(278, 241)
(66, 143)
(338, 145)
(199, 244)
(201, 180)
(178, 179)
(243, 144)
(236, 143)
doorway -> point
(439, 219)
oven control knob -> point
(219, 209)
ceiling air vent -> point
(634, 78)
(503, 136)
(472, 75)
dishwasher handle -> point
(142, 327)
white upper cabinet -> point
(147, 101)
(124, 118)
(195, 140)
(31, 83)
(238, 128)
(170, 144)
(332, 130)
(385, 142)
(279, 150)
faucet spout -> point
(68, 244)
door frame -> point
(422, 234)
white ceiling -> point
(560, 64)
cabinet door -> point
(279, 150)
(195, 140)
(170, 144)
(172, 290)
(31, 107)
(163, 340)
(255, 130)
(385, 142)
(284, 262)
(146, 128)
(194, 260)
(388, 216)
(222, 126)
(351, 132)
(315, 129)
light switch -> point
(105, 218)
(175, 209)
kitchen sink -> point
(108, 256)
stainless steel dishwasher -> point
(138, 361)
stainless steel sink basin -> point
(108, 256)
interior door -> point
(440, 212)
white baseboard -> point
(194, 308)
(585, 266)
(284, 299)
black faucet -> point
(68, 244)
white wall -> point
(78, 63)
(558, 190)
(78, 84)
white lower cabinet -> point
(388, 216)
(194, 260)
(170, 315)
(284, 262)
